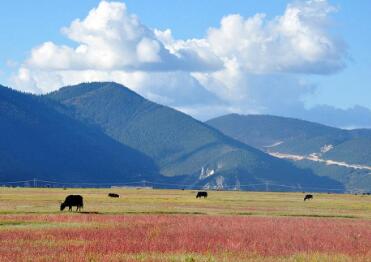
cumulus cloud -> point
(246, 65)
(110, 38)
(294, 42)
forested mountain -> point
(178, 144)
(106, 133)
(37, 140)
(341, 154)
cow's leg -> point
(69, 208)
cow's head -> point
(62, 206)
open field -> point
(172, 225)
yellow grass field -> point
(172, 225)
(146, 201)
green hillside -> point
(178, 144)
(290, 135)
(297, 137)
(38, 141)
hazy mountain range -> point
(105, 133)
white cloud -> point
(246, 65)
(148, 51)
(109, 38)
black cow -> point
(307, 197)
(113, 195)
(73, 200)
(201, 194)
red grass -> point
(108, 234)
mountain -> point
(344, 155)
(181, 147)
(39, 140)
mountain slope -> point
(295, 139)
(38, 141)
(178, 144)
(294, 136)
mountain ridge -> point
(304, 142)
(178, 143)
(116, 129)
(43, 133)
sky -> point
(308, 58)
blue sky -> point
(25, 25)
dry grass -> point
(170, 225)
(132, 201)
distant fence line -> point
(265, 186)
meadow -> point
(172, 225)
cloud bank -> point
(246, 65)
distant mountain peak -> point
(341, 154)
(84, 88)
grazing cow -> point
(113, 195)
(73, 200)
(201, 194)
(307, 197)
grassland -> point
(172, 225)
